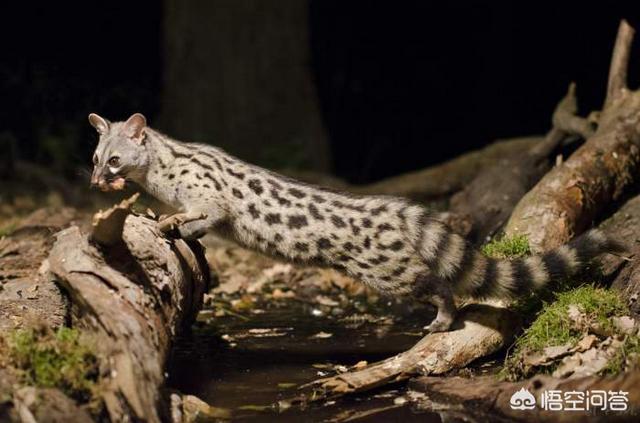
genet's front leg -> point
(191, 225)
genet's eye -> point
(95, 159)
(114, 161)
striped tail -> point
(475, 275)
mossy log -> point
(132, 290)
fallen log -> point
(440, 181)
(568, 198)
(133, 294)
(488, 399)
(132, 290)
(488, 200)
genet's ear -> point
(101, 124)
(134, 127)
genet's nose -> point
(95, 177)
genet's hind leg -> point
(437, 292)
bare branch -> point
(619, 62)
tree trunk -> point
(128, 288)
(237, 74)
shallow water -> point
(260, 370)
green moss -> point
(511, 247)
(554, 327)
(59, 359)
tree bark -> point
(132, 291)
(237, 75)
(570, 197)
(124, 285)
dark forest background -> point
(363, 89)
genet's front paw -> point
(437, 326)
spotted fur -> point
(389, 243)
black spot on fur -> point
(341, 205)
(297, 193)
(337, 221)
(396, 246)
(363, 265)
(297, 221)
(315, 213)
(198, 176)
(206, 186)
(171, 176)
(348, 246)
(253, 211)
(324, 243)
(383, 227)
(301, 246)
(399, 271)
(256, 186)
(214, 180)
(366, 222)
(355, 229)
(274, 184)
(278, 237)
(318, 198)
(184, 171)
(367, 242)
(272, 218)
(201, 164)
(237, 193)
(381, 209)
(281, 200)
(235, 174)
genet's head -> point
(121, 154)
